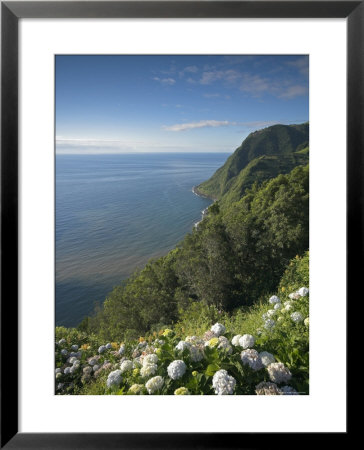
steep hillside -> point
(263, 155)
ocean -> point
(114, 213)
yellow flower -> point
(213, 342)
(167, 332)
(85, 346)
(114, 345)
(194, 373)
(283, 289)
(136, 372)
(141, 339)
(181, 391)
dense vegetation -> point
(259, 350)
(251, 244)
(263, 155)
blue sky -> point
(173, 103)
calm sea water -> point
(114, 213)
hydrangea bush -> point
(264, 352)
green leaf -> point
(211, 369)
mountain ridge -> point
(284, 146)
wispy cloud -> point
(190, 69)
(254, 125)
(301, 64)
(200, 124)
(72, 146)
(166, 81)
(293, 91)
(227, 76)
(80, 145)
(254, 84)
(216, 95)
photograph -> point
(181, 224)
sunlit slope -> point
(263, 155)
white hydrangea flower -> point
(274, 299)
(58, 370)
(196, 354)
(296, 317)
(114, 379)
(303, 291)
(96, 367)
(136, 388)
(154, 384)
(307, 321)
(62, 341)
(247, 341)
(235, 340)
(269, 324)
(122, 349)
(277, 306)
(268, 314)
(58, 376)
(93, 361)
(77, 363)
(176, 369)
(218, 329)
(108, 346)
(152, 358)
(288, 307)
(126, 365)
(279, 373)
(102, 349)
(267, 388)
(183, 345)
(280, 318)
(288, 390)
(223, 383)
(267, 358)
(73, 369)
(148, 369)
(64, 352)
(72, 360)
(67, 370)
(74, 347)
(225, 344)
(193, 339)
(294, 296)
(251, 358)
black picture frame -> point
(11, 12)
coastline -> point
(204, 212)
(200, 194)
